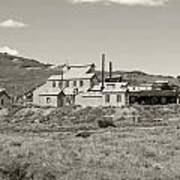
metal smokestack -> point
(110, 71)
(103, 69)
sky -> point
(134, 34)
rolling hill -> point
(19, 75)
(137, 77)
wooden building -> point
(113, 94)
(75, 79)
(5, 99)
(154, 97)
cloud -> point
(12, 24)
(6, 49)
(126, 2)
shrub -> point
(104, 123)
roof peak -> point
(81, 65)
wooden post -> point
(177, 100)
(110, 71)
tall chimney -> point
(110, 71)
(103, 69)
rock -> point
(158, 166)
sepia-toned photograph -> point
(89, 89)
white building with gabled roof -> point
(113, 94)
(76, 77)
(73, 80)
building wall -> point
(4, 101)
(53, 101)
(86, 101)
(100, 100)
(139, 88)
(87, 83)
(36, 97)
(113, 99)
(94, 81)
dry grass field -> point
(69, 144)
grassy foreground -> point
(114, 153)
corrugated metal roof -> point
(81, 65)
(72, 75)
(116, 87)
(50, 91)
(96, 87)
(75, 72)
(69, 91)
(154, 93)
(92, 94)
(114, 90)
(56, 91)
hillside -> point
(141, 77)
(18, 74)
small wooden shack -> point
(52, 98)
(5, 99)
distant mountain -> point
(141, 77)
(19, 75)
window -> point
(119, 98)
(48, 100)
(74, 83)
(60, 84)
(2, 102)
(75, 91)
(67, 83)
(81, 83)
(54, 84)
(107, 98)
(111, 85)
